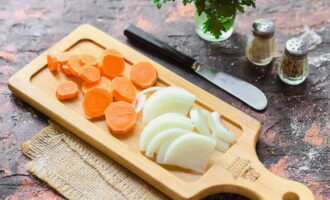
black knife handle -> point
(135, 33)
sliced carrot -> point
(74, 64)
(87, 59)
(96, 100)
(66, 69)
(120, 117)
(108, 51)
(63, 58)
(123, 89)
(102, 83)
(52, 63)
(112, 65)
(143, 74)
(112, 51)
(67, 90)
(89, 74)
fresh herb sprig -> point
(215, 10)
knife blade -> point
(242, 90)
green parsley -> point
(215, 10)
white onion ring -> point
(141, 98)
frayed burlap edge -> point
(78, 171)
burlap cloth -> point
(78, 171)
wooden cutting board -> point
(236, 171)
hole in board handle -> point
(290, 196)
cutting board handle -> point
(246, 175)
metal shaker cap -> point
(296, 48)
(263, 28)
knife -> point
(242, 90)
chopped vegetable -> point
(162, 138)
(221, 131)
(143, 75)
(112, 65)
(190, 151)
(140, 102)
(96, 100)
(67, 90)
(111, 51)
(74, 64)
(120, 117)
(87, 59)
(199, 121)
(145, 91)
(102, 83)
(89, 74)
(161, 123)
(66, 69)
(123, 89)
(52, 63)
(221, 144)
(169, 99)
(63, 58)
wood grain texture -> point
(294, 140)
(236, 171)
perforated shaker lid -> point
(296, 48)
(263, 28)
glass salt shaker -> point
(261, 43)
(293, 67)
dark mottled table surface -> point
(294, 142)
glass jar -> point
(260, 47)
(293, 67)
(199, 27)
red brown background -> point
(294, 142)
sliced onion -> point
(221, 145)
(140, 102)
(199, 121)
(140, 99)
(221, 131)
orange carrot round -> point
(74, 64)
(87, 59)
(96, 100)
(120, 117)
(63, 58)
(89, 74)
(66, 69)
(143, 74)
(102, 83)
(112, 65)
(52, 62)
(112, 51)
(67, 90)
(123, 89)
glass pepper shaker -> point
(261, 43)
(293, 67)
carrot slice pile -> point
(89, 74)
(74, 64)
(63, 58)
(102, 83)
(112, 65)
(123, 89)
(52, 63)
(67, 90)
(143, 74)
(96, 100)
(66, 69)
(120, 117)
(87, 59)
